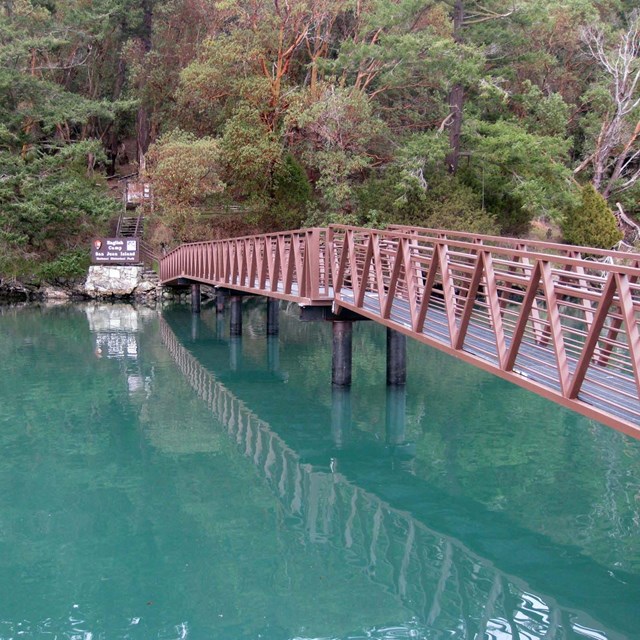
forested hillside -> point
(483, 116)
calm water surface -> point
(161, 480)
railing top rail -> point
(274, 234)
(519, 242)
(562, 258)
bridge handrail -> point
(271, 234)
(535, 246)
(564, 327)
(291, 265)
(566, 255)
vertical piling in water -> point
(220, 328)
(195, 298)
(273, 316)
(235, 306)
(235, 353)
(341, 355)
(220, 298)
(396, 358)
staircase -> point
(136, 194)
(149, 275)
(130, 226)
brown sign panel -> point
(115, 251)
(138, 192)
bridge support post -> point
(220, 299)
(273, 316)
(340, 414)
(195, 298)
(396, 358)
(341, 355)
(220, 328)
(235, 305)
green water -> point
(160, 480)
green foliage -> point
(592, 223)
(250, 152)
(48, 202)
(546, 115)
(291, 193)
(186, 174)
(314, 110)
(528, 168)
(333, 132)
(185, 169)
(291, 184)
(67, 265)
(443, 202)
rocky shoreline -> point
(108, 283)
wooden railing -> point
(543, 316)
(560, 321)
(293, 265)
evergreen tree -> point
(592, 223)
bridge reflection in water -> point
(451, 589)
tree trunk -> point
(113, 142)
(142, 118)
(456, 98)
(456, 105)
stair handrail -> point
(147, 254)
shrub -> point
(592, 223)
(446, 203)
(70, 264)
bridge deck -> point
(535, 359)
(543, 316)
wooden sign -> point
(115, 251)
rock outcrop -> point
(122, 282)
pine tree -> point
(592, 223)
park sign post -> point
(115, 251)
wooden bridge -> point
(560, 321)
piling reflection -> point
(273, 353)
(235, 353)
(340, 415)
(448, 586)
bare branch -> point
(615, 150)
